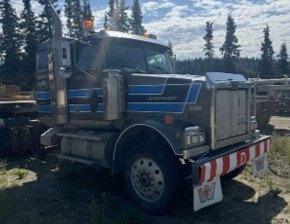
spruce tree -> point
(111, 16)
(136, 19)
(208, 46)
(87, 11)
(77, 19)
(122, 21)
(230, 49)
(45, 24)
(116, 18)
(69, 15)
(11, 42)
(106, 22)
(28, 27)
(267, 53)
(170, 46)
(283, 59)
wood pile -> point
(10, 93)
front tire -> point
(152, 178)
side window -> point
(158, 62)
(42, 60)
(87, 57)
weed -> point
(99, 210)
(280, 145)
(3, 167)
(274, 190)
(21, 174)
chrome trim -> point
(212, 119)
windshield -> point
(133, 56)
(87, 57)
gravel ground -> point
(35, 191)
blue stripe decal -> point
(45, 109)
(146, 90)
(194, 93)
(155, 107)
(43, 95)
(84, 92)
(85, 108)
(163, 107)
(71, 93)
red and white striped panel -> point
(228, 163)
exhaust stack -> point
(57, 23)
(58, 86)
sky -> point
(183, 22)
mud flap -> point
(207, 194)
(260, 165)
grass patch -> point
(274, 190)
(99, 211)
(21, 174)
(280, 145)
(4, 182)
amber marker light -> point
(88, 24)
(169, 119)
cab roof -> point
(115, 34)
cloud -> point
(184, 24)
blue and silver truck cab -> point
(113, 100)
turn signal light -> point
(88, 24)
(169, 120)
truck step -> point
(80, 160)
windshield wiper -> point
(160, 69)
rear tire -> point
(153, 177)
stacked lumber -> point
(11, 93)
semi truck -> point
(113, 100)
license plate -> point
(260, 165)
(207, 194)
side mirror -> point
(65, 53)
(65, 73)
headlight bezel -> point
(254, 124)
(194, 137)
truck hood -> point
(173, 76)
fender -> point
(172, 136)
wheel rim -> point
(147, 179)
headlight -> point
(254, 124)
(194, 137)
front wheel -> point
(152, 177)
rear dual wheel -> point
(152, 178)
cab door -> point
(84, 87)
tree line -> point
(22, 34)
(264, 67)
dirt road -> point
(44, 191)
